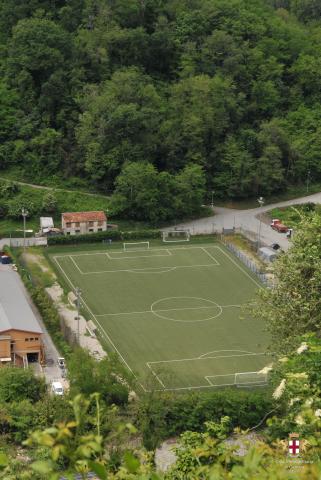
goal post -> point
(248, 379)
(172, 236)
(134, 246)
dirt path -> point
(43, 187)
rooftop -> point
(84, 217)
(15, 311)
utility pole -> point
(308, 180)
(261, 203)
(212, 204)
(24, 213)
(78, 303)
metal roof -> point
(15, 311)
(46, 222)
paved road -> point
(248, 220)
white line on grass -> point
(73, 261)
(155, 375)
(211, 256)
(163, 269)
(166, 310)
(239, 267)
(138, 256)
(207, 358)
(101, 328)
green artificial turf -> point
(172, 312)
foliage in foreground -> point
(204, 455)
(293, 307)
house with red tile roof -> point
(79, 223)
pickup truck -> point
(278, 226)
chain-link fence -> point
(258, 271)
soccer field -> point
(173, 313)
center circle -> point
(186, 309)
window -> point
(77, 231)
(68, 225)
(36, 338)
(91, 229)
(31, 339)
(26, 339)
(100, 229)
(90, 224)
(68, 233)
(77, 224)
(100, 224)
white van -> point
(57, 388)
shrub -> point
(100, 236)
(17, 384)
(166, 415)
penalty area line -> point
(102, 331)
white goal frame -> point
(174, 232)
(258, 378)
(144, 246)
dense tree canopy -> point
(232, 86)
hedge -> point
(166, 415)
(100, 236)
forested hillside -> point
(162, 97)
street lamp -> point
(78, 295)
(308, 180)
(24, 213)
(212, 204)
(261, 203)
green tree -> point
(293, 307)
(120, 123)
(106, 377)
(17, 384)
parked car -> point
(57, 388)
(61, 362)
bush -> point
(17, 384)
(100, 236)
(166, 415)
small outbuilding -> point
(267, 254)
(46, 224)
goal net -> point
(134, 246)
(250, 379)
(176, 236)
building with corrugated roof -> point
(20, 332)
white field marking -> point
(139, 256)
(219, 351)
(102, 331)
(207, 358)
(151, 269)
(155, 375)
(208, 377)
(166, 310)
(76, 265)
(211, 256)
(239, 267)
(103, 252)
(156, 311)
